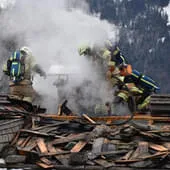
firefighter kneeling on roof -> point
(19, 67)
(139, 85)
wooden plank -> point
(61, 158)
(59, 110)
(24, 150)
(41, 145)
(158, 147)
(70, 138)
(64, 159)
(104, 163)
(31, 144)
(106, 118)
(51, 148)
(88, 119)
(46, 161)
(15, 139)
(79, 146)
(111, 154)
(36, 132)
(25, 141)
(141, 150)
(54, 153)
(45, 166)
(158, 154)
(128, 155)
(50, 125)
(150, 135)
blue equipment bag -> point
(144, 81)
(16, 67)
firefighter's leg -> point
(15, 92)
(121, 96)
(28, 93)
(144, 104)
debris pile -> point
(79, 144)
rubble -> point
(58, 141)
(86, 144)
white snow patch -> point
(167, 9)
(163, 39)
(150, 50)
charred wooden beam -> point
(107, 118)
(37, 133)
(77, 137)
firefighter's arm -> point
(39, 70)
(106, 55)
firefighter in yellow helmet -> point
(20, 67)
(93, 52)
(139, 85)
(94, 55)
(116, 60)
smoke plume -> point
(54, 30)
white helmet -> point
(26, 50)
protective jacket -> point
(23, 89)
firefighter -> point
(95, 55)
(20, 67)
(93, 52)
(116, 60)
(138, 85)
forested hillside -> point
(144, 34)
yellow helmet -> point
(84, 50)
(116, 50)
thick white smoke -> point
(6, 3)
(54, 30)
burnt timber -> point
(10, 121)
(160, 104)
(84, 142)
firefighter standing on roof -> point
(116, 60)
(139, 85)
(20, 66)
